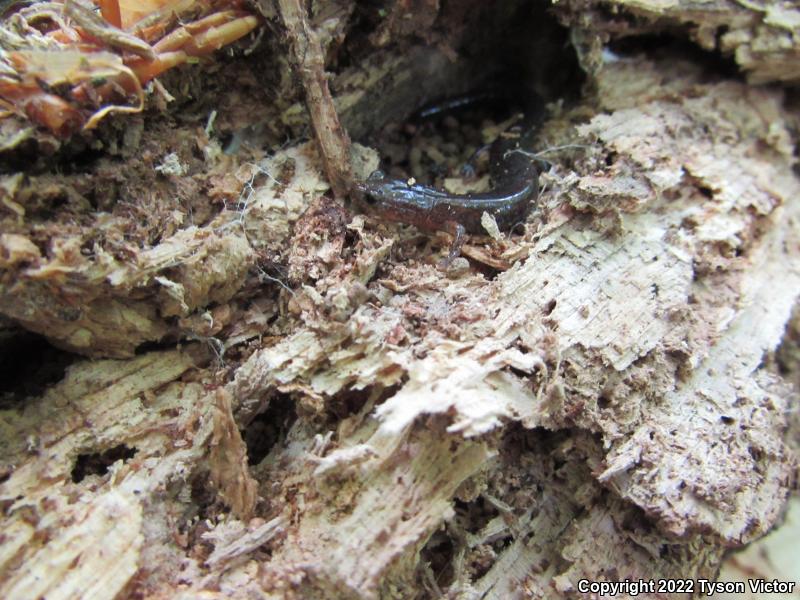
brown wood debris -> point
(333, 142)
(760, 36)
(606, 392)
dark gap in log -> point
(509, 48)
(269, 428)
(519, 373)
(439, 553)
(98, 463)
(348, 402)
(81, 160)
(673, 44)
(204, 500)
(474, 515)
(28, 366)
(36, 156)
(489, 272)
(23, 157)
(148, 347)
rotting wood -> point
(334, 144)
(228, 461)
(604, 326)
(602, 406)
(759, 36)
(68, 539)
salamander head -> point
(396, 199)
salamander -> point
(515, 188)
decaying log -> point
(333, 416)
(334, 145)
(760, 36)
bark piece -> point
(228, 461)
(333, 142)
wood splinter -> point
(333, 141)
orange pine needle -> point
(53, 112)
(110, 11)
(216, 37)
(145, 71)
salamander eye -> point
(376, 175)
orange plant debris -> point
(70, 68)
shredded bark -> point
(333, 141)
(264, 392)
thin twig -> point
(334, 144)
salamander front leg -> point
(457, 231)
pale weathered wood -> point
(607, 407)
(761, 37)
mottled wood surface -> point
(331, 416)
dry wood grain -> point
(372, 427)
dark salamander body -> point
(515, 187)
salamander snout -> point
(375, 189)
